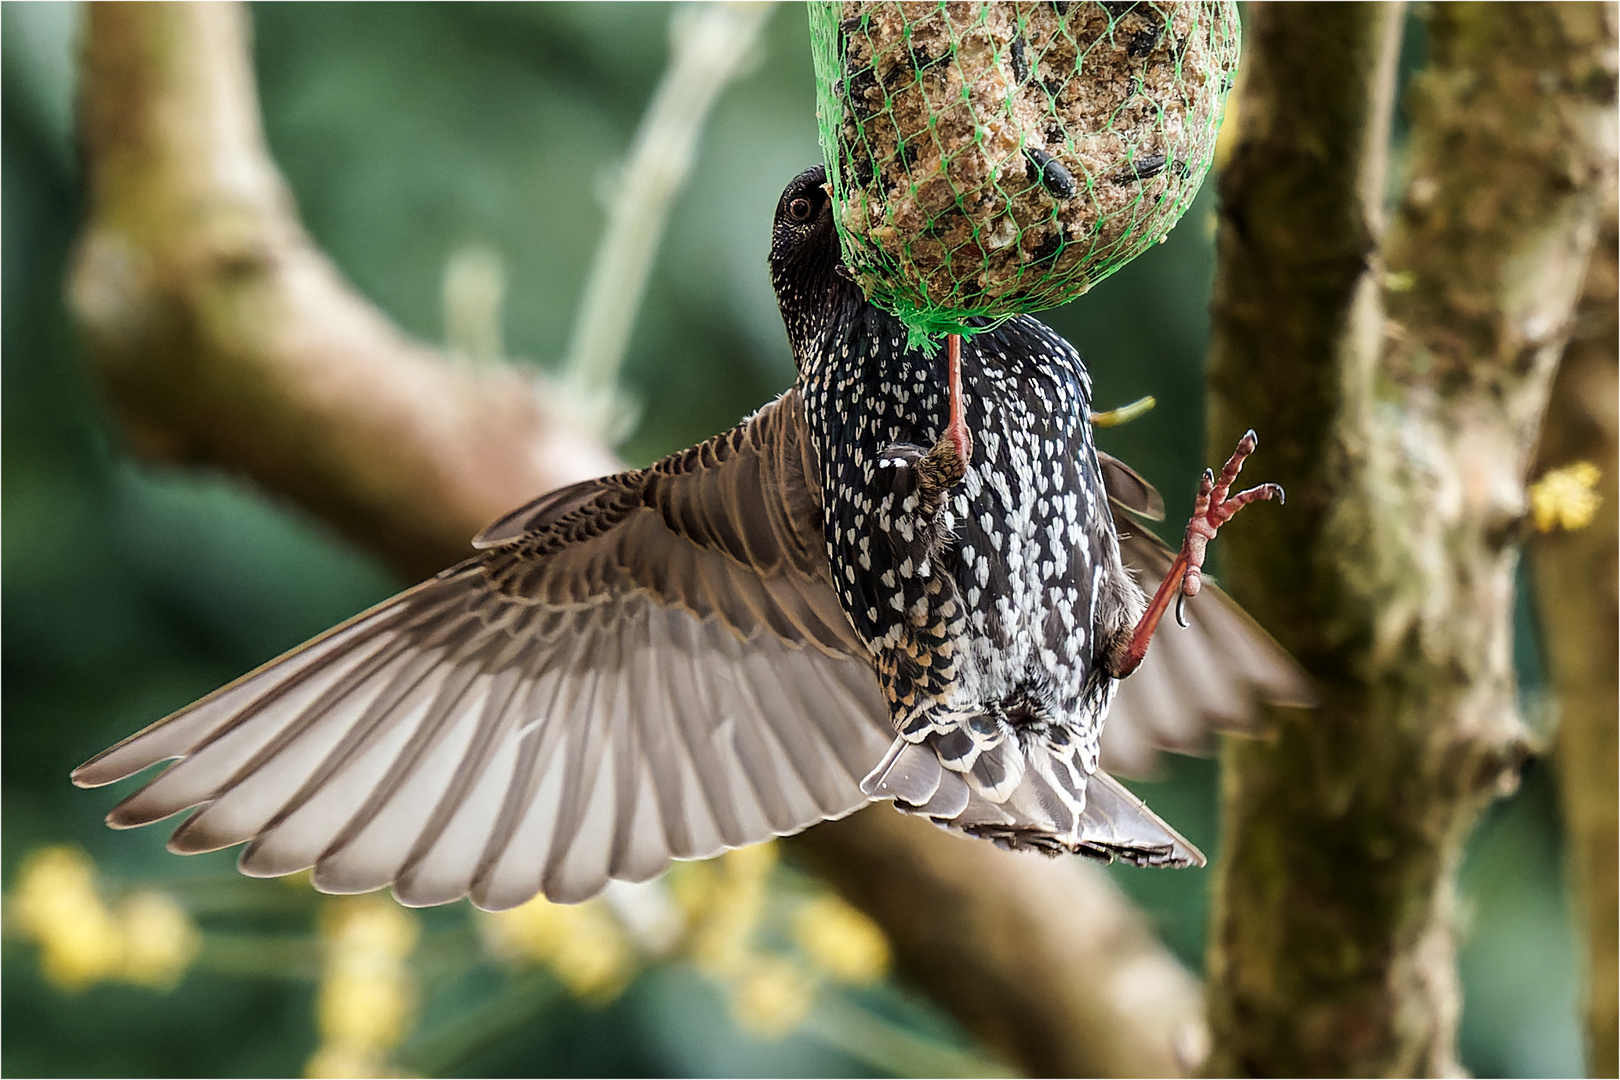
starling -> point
(847, 597)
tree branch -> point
(225, 338)
(1013, 944)
(1576, 597)
(1400, 388)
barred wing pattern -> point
(639, 668)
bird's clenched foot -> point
(944, 465)
(941, 468)
(928, 474)
(1214, 508)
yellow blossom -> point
(770, 996)
(57, 905)
(342, 1061)
(366, 1002)
(1566, 498)
(582, 944)
(1231, 116)
(160, 940)
(735, 903)
(841, 941)
(150, 940)
(364, 1008)
(692, 884)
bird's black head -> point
(804, 224)
(805, 268)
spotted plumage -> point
(990, 593)
(826, 605)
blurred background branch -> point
(224, 337)
(711, 44)
(1399, 377)
(1574, 572)
(1050, 941)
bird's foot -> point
(1214, 507)
(929, 474)
(942, 467)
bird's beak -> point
(827, 187)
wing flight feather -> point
(635, 669)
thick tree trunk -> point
(226, 338)
(1575, 586)
(1398, 382)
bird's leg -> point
(1213, 509)
(956, 429)
(943, 467)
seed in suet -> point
(1051, 173)
(1020, 62)
(1144, 169)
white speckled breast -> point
(1017, 583)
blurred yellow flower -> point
(366, 1003)
(732, 908)
(159, 940)
(342, 1061)
(770, 996)
(56, 903)
(361, 1008)
(1566, 498)
(691, 884)
(582, 944)
(1231, 124)
(149, 941)
(841, 941)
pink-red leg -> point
(956, 429)
(1214, 508)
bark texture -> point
(1398, 378)
(225, 338)
(1575, 587)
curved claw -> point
(1213, 508)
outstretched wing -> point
(644, 667)
(1208, 676)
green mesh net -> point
(989, 159)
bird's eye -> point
(800, 209)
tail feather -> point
(909, 773)
(1116, 824)
(1100, 818)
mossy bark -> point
(1575, 586)
(1397, 376)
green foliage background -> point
(407, 131)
